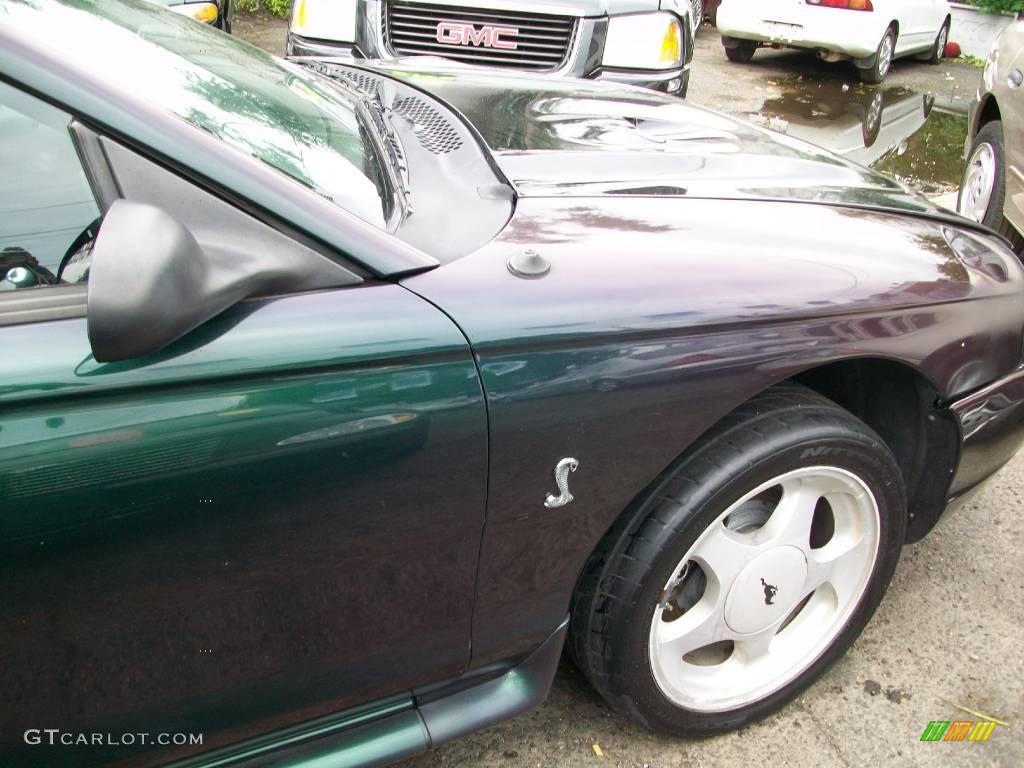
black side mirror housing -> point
(151, 281)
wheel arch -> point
(988, 111)
(903, 407)
(892, 397)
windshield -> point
(279, 113)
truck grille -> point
(531, 41)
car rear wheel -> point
(750, 568)
(983, 188)
(934, 56)
(871, 117)
(883, 59)
(742, 52)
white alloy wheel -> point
(979, 182)
(885, 51)
(765, 589)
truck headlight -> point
(644, 41)
(204, 12)
(325, 19)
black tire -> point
(882, 65)
(742, 52)
(786, 427)
(938, 49)
(991, 134)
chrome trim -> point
(560, 31)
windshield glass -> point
(288, 118)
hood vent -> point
(364, 81)
(432, 129)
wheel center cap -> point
(766, 590)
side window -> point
(48, 214)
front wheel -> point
(883, 59)
(983, 188)
(749, 570)
(938, 50)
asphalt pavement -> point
(947, 635)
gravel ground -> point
(947, 633)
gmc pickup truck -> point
(639, 42)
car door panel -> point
(928, 18)
(907, 14)
(277, 517)
(904, 14)
(1011, 105)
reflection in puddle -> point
(895, 131)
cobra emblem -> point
(562, 470)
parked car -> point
(992, 190)
(861, 127)
(870, 33)
(639, 42)
(364, 389)
(216, 13)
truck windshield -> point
(275, 111)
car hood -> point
(580, 138)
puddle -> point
(896, 131)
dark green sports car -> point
(335, 400)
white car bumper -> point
(854, 33)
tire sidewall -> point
(685, 521)
(889, 35)
(872, 74)
(940, 43)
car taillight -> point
(851, 5)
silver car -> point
(992, 190)
(639, 42)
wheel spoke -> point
(790, 522)
(841, 564)
(722, 554)
(754, 648)
(702, 625)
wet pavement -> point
(895, 130)
(912, 127)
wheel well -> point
(893, 399)
(902, 407)
(895, 27)
(989, 112)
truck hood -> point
(581, 138)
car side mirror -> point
(150, 283)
